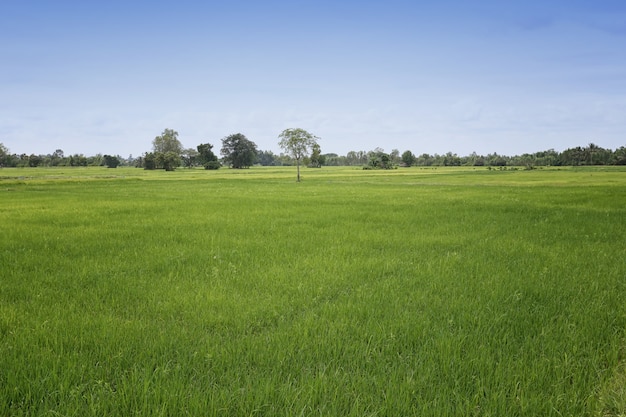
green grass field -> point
(425, 292)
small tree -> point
(4, 155)
(149, 161)
(298, 143)
(395, 157)
(317, 159)
(111, 161)
(408, 158)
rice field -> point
(410, 292)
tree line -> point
(301, 148)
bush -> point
(212, 165)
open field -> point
(426, 292)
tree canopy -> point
(298, 143)
(238, 151)
(316, 159)
(167, 152)
(408, 158)
(111, 161)
(206, 156)
(167, 142)
(4, 154)
(378, 159)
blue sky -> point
(462, 76)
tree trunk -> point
(298, 165)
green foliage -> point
(169, 161)
(212, 165)
(150, 161)
(4, 155)
(111, 161)
(430, 292)
(79, 160)
(190, 157)
(238, 151)
(206, 156)
(619, 156)
(298, 143)
(378, 159)
(167, 153)
(316, 159)
(167, 142)
(34, 160)
(408, 159)
(266, 158)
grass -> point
(430, 292)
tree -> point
(266, 158)
(206, 156)
(298, 143)
(56, 158)
(395, 156)
(189, 157)
(378, 159)
(149, 160)
(168, 160)
(451, 160)
(111, 161)
(4, 155)
(167, 142)
(408, 158)
(77, 160)
(238, 151)
(573, 156)
(619, 156)
(95, 161)
(34, 160)
(316, 159)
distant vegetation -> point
(240, 152)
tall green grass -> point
(430, 292)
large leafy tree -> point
(408, 158)
(167, 142)
(298, 143)
(166, 151)
(206, 156)
(238, 151)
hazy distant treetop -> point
(167, 142)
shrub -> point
(212, 165)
